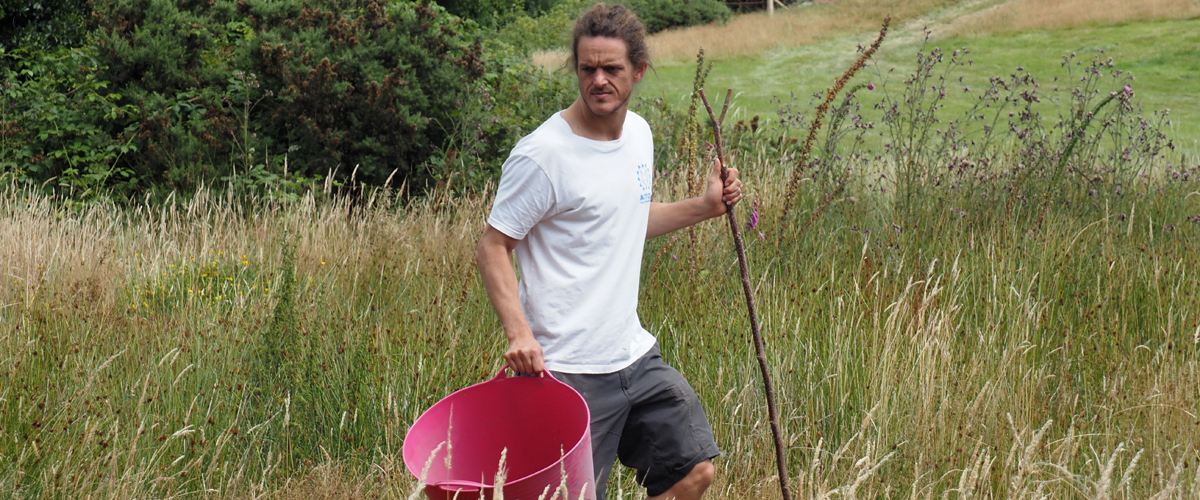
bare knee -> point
(693, 485)
(702, 474)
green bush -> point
(266, 95)
(60, 127)
(374, 87)
(490, 13)
(549, 30)
(231, 86)
(42, 25)
(505, 105)
(173, 62)
(659, 15)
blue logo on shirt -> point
(645, 179)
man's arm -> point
(669, 217)
(493, 255)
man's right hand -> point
(524, 354)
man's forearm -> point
(493, 256)
(500, 281)
(667, 218)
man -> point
(574, 204)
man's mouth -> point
(601, 95)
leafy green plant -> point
(548, 30)
(42, 25)
(60, 128)
(269, 98)
(506, 104)
(491, 13)
(367, 87)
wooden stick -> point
(772, 409)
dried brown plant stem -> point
(830, 94)
(696, 174)
(760, 352)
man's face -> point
(606, 76)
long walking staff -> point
(772, 411)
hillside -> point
(1158, 41)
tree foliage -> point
(174, 93)
(491, 13)
(60, 125)
(362, 83)
(43, 25)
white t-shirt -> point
(580, 208)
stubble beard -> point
(622, 105)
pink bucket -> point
(543, 423)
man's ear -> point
(640, 72)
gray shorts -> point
(649, 417)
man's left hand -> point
(720, 195)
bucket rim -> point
(500, 377)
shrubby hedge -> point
(264, 94)
(362, 83)
(176, 93)
(485, 12)
(60, 124)
(43, 24)
(659, 15)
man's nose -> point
(601, 78)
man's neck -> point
(586, 124)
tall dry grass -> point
(950, 358)
(752, 34)
(958, 348)
(1023, 15)
(128, 337)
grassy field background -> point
(1164, 55)
(1025, 336)
(985, 354)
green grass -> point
(931, 350)
(1163, 56)
(1009, 338)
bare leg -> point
(692, 486)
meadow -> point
(985, 354)
(989, 312)
(770, 62)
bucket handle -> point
(504, 374)
(453, 486)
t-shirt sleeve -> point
(525, 196)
